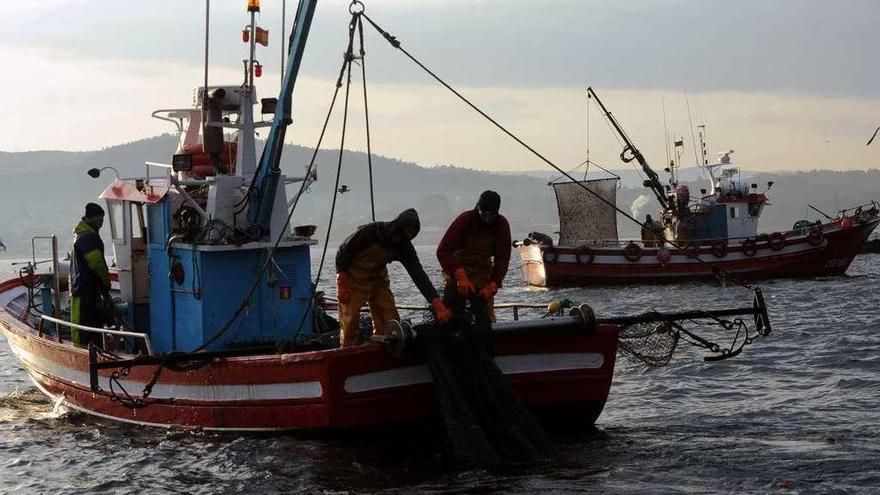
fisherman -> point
(650, 237)
(475, 251)
(362, 274)
(89, 277)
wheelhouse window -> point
(734, 212)
(755, 208)
(117, 221)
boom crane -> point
(269, 169)
(653, 181)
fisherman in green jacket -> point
(89, 277)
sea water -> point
(796, 412)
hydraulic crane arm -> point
(653, 181)
(269, 169)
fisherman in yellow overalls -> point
(650, 236)
(475, 251)
(362, 274)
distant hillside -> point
(44, 191)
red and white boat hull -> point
(797, 255)
(565, 374)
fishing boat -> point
(218, 323)
(697, 236)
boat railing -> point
(858, 210)
(164, 166)
(622, 243)
(56, 275)
(515, 307)
(122, 333)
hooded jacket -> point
(390, 237)
(89, 275)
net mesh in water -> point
(650, 343)
(486, 423)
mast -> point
(653, 181)
(269, 169)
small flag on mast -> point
(679, 142)
(262, 36)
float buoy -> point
(776, 241)
(584, 255)
(632, 252)
(719, 248)
(749, 247)
(691, 250)
(663, 255)
(816, 236)
(847, 223)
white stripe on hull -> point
(204, 393)
(649, 258)
(509, 365)
(71, 405)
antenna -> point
(691, 122)
(587, 168)
(205, 90)
(665, 131)
(702, 128)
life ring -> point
(776, 241)
(584, 254)
(691, 250)
(816, 236)
(719, 248)
(632, 252)
(749, 247)
(551, 255)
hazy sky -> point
(787, 84)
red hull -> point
(797, 256)
(337, 388)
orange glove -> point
(343, 292)
(443, 313)
(463, 283)
(489, 290)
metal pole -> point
(253, 49)
(283, 32)
(56, 286)
(205, 87)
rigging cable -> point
(349, 58)
(587, 168)
(718, 272)
(360, 28)
(691, 121)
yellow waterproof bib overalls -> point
(368, 284)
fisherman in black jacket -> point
(362, 274)
(89, 276)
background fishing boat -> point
(696, 236)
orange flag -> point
(262, 36)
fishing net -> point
(486, 423)
(650, 343)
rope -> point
(360, 28)
(396, 44)
(349, 57)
